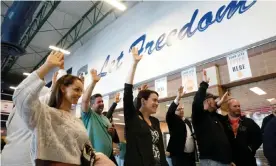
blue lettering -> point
(102, 74)
(219, 17)
(207, 18)
(140, 39)
(233, 7)
(149, 47)
(187, 28)
(119, 59)
(169, 38)
(159, 41)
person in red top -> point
(244, 135)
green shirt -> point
(97, 126)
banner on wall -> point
(6, 106)
(238, 66)
(189, 80)
(212, 73)
(161, 87)
(194, 34)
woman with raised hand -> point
(58, 136)
(144, 138)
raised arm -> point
(197, 107)
(85, 103)
(129, 109)
(113, 106)
(171, 111)
(26, 94)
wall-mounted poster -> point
(238, 66)
(189, 80)
(161, 87)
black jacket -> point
(270, 142)
(139, 140)
(246, 143)
(265, 122)
(212, 141)
(178, 132)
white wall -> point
(154, 19)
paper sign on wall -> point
(6, 106)
(189, 80)
(106, 103)
(161, 87)
(238, 66)
(212, 73)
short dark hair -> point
(144, 94)
(93, 98)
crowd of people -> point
(42, 131)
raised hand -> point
(136, 56)
(117, 98)
(94, 75)
(224, 98)
(205, 78)
(54, 78)
(55, 59)
(180, 92)
(143, 87)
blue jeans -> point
(207, 162)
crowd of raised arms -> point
(43, 131)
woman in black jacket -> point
(144, 138)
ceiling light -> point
(120, 114)
(115, 118)
(258, 91)
(59, 49)
(270, 99)
(116, 4)
(12, 87)
(119, 123)
(26, 74)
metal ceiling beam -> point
(74, 33)
(42, 16)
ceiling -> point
(61, 20)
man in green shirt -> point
(98, 125)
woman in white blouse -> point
(58, 136)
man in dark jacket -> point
(213, 143)
(244, 135)
(181, 144)
(269, 117)
(270, 142)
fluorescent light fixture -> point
(117, 4)
(26, 74)
(115, 118)
(59, 49)
(258, 91)
(12, 87)
(270, 99)
(120, 114)
(119, 123)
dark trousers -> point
(187, 159)
(112, 158)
